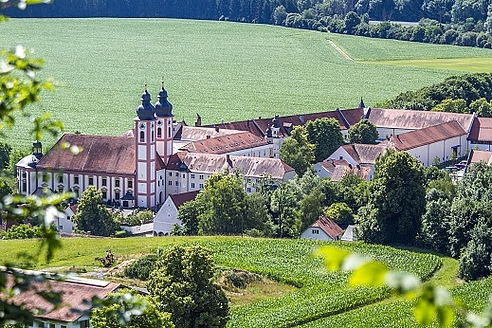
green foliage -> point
(150, 317)
(454, 94)
(182, 284)
(283, 204)
(297, 151)
(340, 213)
(363, 132)
(310, 208)
(396, 201)
(138, 217)
(451, 106)
(92, 216)
(434, 233)
(22, 231)
(325, 135)
(142, 267)
(221, 204)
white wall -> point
(166, 218)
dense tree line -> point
(461, 22)
(469, 93)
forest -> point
(458, 22)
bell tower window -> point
(142, 136)
(159, 132)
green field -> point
(320, 295)
(222, 70)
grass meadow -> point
(318, 295)
(224, 71)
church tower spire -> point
(164, 139)
(145, 153)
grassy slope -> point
(320, 293)
(224, 71)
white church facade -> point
(140, 168)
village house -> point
(76, 294)
(167, 216)
(323, 229)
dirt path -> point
(344, 54)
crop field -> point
(319, 293)
(224, 71)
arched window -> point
(169, 132)
(153, 136)
(142, 136)
(159, 132)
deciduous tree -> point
(363, 132)
(297, 151)
(92, 215)
(325, 135)
(151, 317)
(183, 286)
(396, 200)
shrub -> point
(22, 231)
(142, 267)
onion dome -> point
(163, 107)
(146, 110)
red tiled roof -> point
(74, 294)
(339, 168)
(211, 163)
(364, 153)
(286, 123)
(100, 154)
(194, 133)
(481, 130)
(480, 156)
(426, 136)
(226, 144)
(328, 226)
(414, 119)
(181, 198)
(103, 154)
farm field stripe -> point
(344, 54)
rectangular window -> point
(41, 324)
(192, 185)
(192, 176)
(177, 183)
(184, 176)
(117, 195)
(84, 324)
(248, 190)
(200, 176)
(104, 195)
(76, 192)
(177, 174)
(117, 183)
(170, 174)
(200, 186)
(60, 179)
(52, 325)
(76, 180)
(91, 181)
(130, 184)
(104, 181)
(63, 326)
(315, 232)
(170, 183)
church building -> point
(140, 168)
